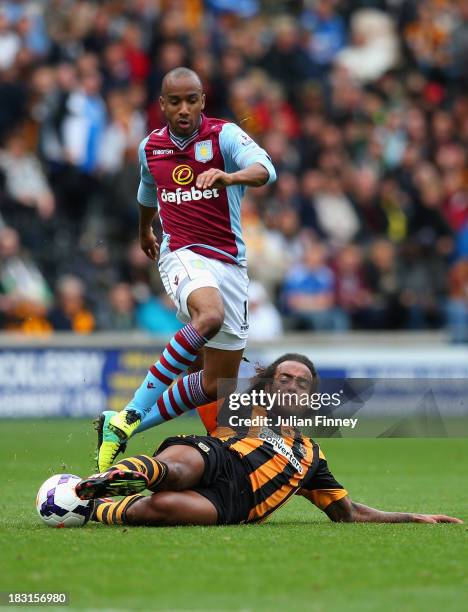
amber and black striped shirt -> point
(279, 463)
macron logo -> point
(162, 151)
(150, 385)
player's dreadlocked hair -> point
(264, 374)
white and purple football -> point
(58, 505)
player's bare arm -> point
(253, 176)
(347, 511)
(148, 242)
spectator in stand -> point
(352, 293)
(29, 21)
(308, 142)
(336, 217)
(461, 245)
(311, 185)
(361, 106)
(308, 293)
(423, 284)
(13, 96)
(94, 266)
(397, 209)
(53, 88)
(459, 47)
(452, 160)
(156, 314)
(83, 129)
(25, 180)
(283, 155)
(264, 319)
(429, 225)
(24, 293)
(122, 134)
(70, 312)
(140, 272)
(287, 194)
(98, 35)
(273, 111)
(133, 45)
(266, 259)
(374, 46)
(383, 278)
(10, 42)
(364, 190)
(286, 61)
(84, 126)
(116, 67)
(121, 313)
(327, 31)
(428, 36)
(457, 305)
(117, 163)
(291, 238)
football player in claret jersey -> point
(194, 172)
(233, 476)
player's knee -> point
(206, 310)
(209, 321)
(177, 476)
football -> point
(58, 505)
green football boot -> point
(124, 423)
(109, 444)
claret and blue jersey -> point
(206, 221)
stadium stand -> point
(362, 105)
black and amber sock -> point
(154, 470)
(113, 512)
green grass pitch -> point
(296, 561)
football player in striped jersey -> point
(233, 477)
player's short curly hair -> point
(266, 373)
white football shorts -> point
(183, 271)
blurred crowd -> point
(362, 105)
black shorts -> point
(224, 482)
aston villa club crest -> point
(204, 151)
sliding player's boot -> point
(109, 444)
(113, 483)
(124, 423)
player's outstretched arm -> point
(347, 511)
(254, 175)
